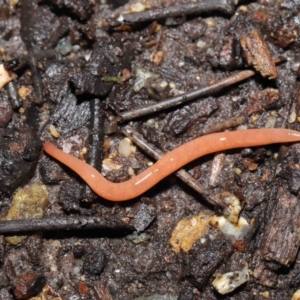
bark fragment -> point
(258, 55)
(281, 240)
(204, 259)
(262, 100)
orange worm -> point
(171, 161)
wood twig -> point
(223, 6)
(60, 223)
(187, 97)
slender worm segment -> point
(171, 161)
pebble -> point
(143, 216)
(126, 148)
(228, 282)
(94, 262)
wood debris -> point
(281, 240)
(258, 55)
(262, 100)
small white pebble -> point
(163, 84)
(201, 44)
(295, 66)
(88, 55)
(233, 231)
(109, 165)
(228, 282)
(210, 22)
(150, 122)
(131, 171)
(120, 19)
(126, 148)
(235, 98)
(292, 117)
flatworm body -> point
(171, 161)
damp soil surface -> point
(118, 84)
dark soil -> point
(82, 71)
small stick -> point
(60, 223)
(13, 95)
(187, 97)
(100, 292)
(96, 140)
(223, 125)
(36, 80)
(183, 175)
(227, 7)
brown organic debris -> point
(287, 34)
(281, 241)
(258, 55)
(250, 164)
(100, 291)
(262, 100)
(28, 285)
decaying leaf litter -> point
(118, 84)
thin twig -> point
(13, 96)
(224, 6)
(36, 80)
(181, 174)
(187, 97)
(60, 223)
(224, 125)
(96, 140)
